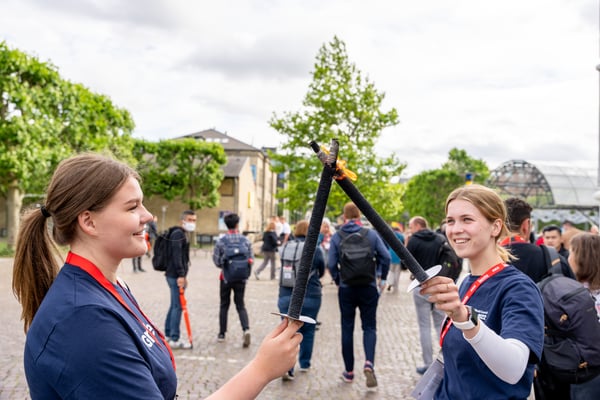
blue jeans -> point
(310, 308)
(586, 390)
(364, 298)
(174, 314)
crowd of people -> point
(490, 322)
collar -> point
(513, 239)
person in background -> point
(529, 258)
(286, 230)
(269, 250)
(395, 262)
(87, 337)
(494, 331)
(176, 275)
(232, 222)
(152, 230)
(584, 258)
(568, 231)
(363, 297)
(424, 244)
(553, 238)
(311, 304)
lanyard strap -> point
(95, 273)
(472, 289)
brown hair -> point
(351, 211)
(83, 182)
(491, 206)
(301, 228)
(271, 226)
(585, 248)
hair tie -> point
(45, 212)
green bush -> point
(5, 251)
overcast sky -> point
(502, 80)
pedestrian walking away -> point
(236, 282)
(312, 298)
(355, 269)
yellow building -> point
(248, 189)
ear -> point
(496, 228)
(86, 222)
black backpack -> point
(290, 261)
(160, 252)
(357, 262)
(571, 331)
(236, 265)
(451, 264)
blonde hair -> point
(491, 206)
(83, 182)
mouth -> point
(460, 241)
(140, 233)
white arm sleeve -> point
(507, 358)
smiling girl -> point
(493, 333)
(87, 338)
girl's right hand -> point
(279, 350)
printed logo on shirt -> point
(147, 337)
(482, 315)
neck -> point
(479, 265)
(106, 265)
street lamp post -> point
(597, 193)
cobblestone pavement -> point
(209, 364)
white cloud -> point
(501, 80)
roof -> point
(546, 185)
(229, 143)
(556, 191)
(234, 166)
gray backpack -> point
(290, 262)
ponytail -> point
(35, 264)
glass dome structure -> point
(555, 192)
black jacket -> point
(270, 241)
(424, 245)
(179, 254)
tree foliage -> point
(44, 119)
(340, 104)
(185, 169)
(426, 192)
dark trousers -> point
(364, 298)
(225, 290)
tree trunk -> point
(14, 201)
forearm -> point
(246, 384)
(506, 358)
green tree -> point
(426, 192)
(340, 104)
(44, 119)
(187, 169)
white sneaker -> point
(180, 344)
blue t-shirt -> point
(510, 304)
(83, 344)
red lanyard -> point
(95, 273)
(474, 286)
